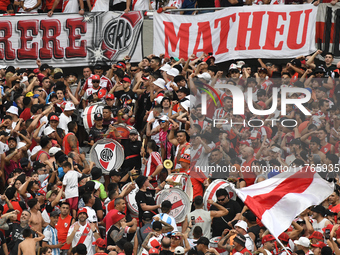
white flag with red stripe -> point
(278, 200)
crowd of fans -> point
(55, 201)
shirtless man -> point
(36, 220)
(27, 247)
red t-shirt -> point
(26, 114)
(4, 4)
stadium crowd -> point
(56, 201)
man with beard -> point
(223, 111)
(98, 130)
(132, 148)
(319, 220)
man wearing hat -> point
(239, 245)
(119, 229)
(316, 236)
(154, 238)
(319, 220)
(53, 198)
(145, 197)
(132, 148)
(143, 232)
(268, 242)
(100, 246)
(303, 244)
(97, 131)
(202, 244)
(97, 173)
(82, 232)
(66, 116)
(51, 234)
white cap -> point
(179, 250)
(206, 76)
(239, 64)
(233, 66)
(159, 99)
(160, 83)
(166, 67)
(164, 117)
(3, 67)
(275, 149)
(48, 130)
(185, 104)
(24, 79)
(173, 72)
(13, 110)
(303, 241)
(69, 106)
(53, 150)
(242, 224)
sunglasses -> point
(176, 237)
(40, 90)
(162, 121)
(95, 81)
(133, 70)
(220, 200)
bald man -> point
(246, 168)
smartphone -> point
(327, 234)
(192, 220)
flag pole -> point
(277, 239)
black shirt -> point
(2, 242)
(125, 98)
(15, 233)
(256, 231)
(131, 149)
(145, 197)
(166, 252)
(221, 223)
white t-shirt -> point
(88, 240)
(100, 6)
(63, 121)
(71, 183)
(3, 147)
(91, 213)
(168, 219)
(140, 5)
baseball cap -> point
(48, 130)
(69, 106)
(240, 239)
(49, 193)
(319, 209)
(54, 117)
(329, 227)
(303, 241)
(233, 66)
(100, 243)
(245, 142)
(117, 216)
(203, 240)
(284, 237)
(98, 116)
(267, 238)
(242, 224)
(322, 89)
(134, 132)
(239, 64)
(249, 215)
(206, 76)
(262, 69)
(110, 96)
(82, 210)
(156, 251)
(43, 67)
(164, 117)
(114, 173)
(147, 215)
(140, 180)
(319, 245)
(317, 235)
(53, 151)
(126, 79)
(95, 77)
(178, 250)
(58, 75)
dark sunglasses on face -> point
(95, 81)
(220, 200)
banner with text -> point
(70, 40)
(328, 30)
(265, 31)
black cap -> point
(98, 67)
(262, 69)
(89, 186)
(147, 215)
(295, 141)
(12, 138)
(203, 240)
(322, 89)
(83, 177)
(319, 209)
(296, 62)
(58, 75)
(98, 116)
(166, 204)
(114, 173)
(24, 162)
(319, 70)
(81, 249)
(140, 180)
(249, 215)
(157, 225)
(96, 173)
(240, 239)
(37, 165)
(54, 213)
(184, 90)
(43, 67)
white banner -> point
(264, 31)
(70, 39)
